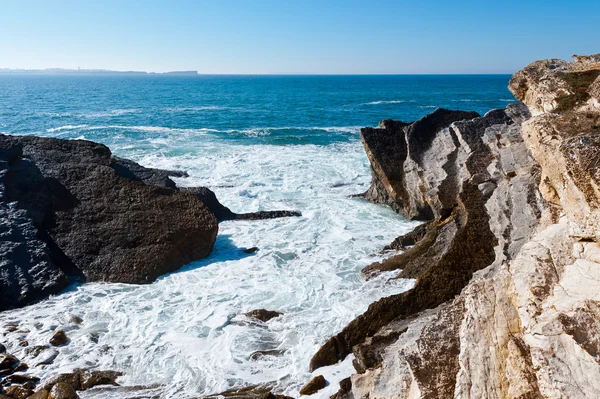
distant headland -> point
(63, 71)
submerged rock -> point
(263, 315)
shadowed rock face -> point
(507, 294)
(71, 212)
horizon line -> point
(192, 73)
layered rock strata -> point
(507, 298)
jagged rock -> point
(81, 379)
(92, 378)
(41, 394)
(67, 205)
(134, 171)
(250, 250)
(526, 325)
(314, 385)
(263, 315)
(18, 392)
(8, 361)
(59, 338)
(223, 213)
(345, 391)
(21, 367)
(20, 379)
(251, 392)
(461, 239)
(62, 390)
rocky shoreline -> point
(506, 301)
(73, 212)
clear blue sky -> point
(296, 36)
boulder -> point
(40, 394)
(62, 390)
(314, 385)
(59, 338)
(18, 392)
(8, 361)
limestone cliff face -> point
(507, 299)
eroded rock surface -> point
(507, 298)
(68, 211)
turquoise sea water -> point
(260, 142)
(278, 110)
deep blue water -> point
(275, 110)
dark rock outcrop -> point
(67, 211)
(314, 385)
(250, 392)
(223, 213)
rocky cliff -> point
(507, 296)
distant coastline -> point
(63, 71)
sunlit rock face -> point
(525, 321)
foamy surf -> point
(187, 332)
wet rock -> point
(62, 391)
(23, 342)
(345, 391)
(8, 361)
(251, 250)
(20, 379)
(263, 314)
(75, 319)
(40, 394)
(18, 392)
(81, 380)
(59, 338)
(21, 367)
(2, 349)
(34, 351)
(250, 392)
(46, 356)
(92, 378)
(260, 354)
(314, 385)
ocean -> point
(261, 143)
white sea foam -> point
(251, 132)
(187, 331)
(385, 102)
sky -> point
(295, 36)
